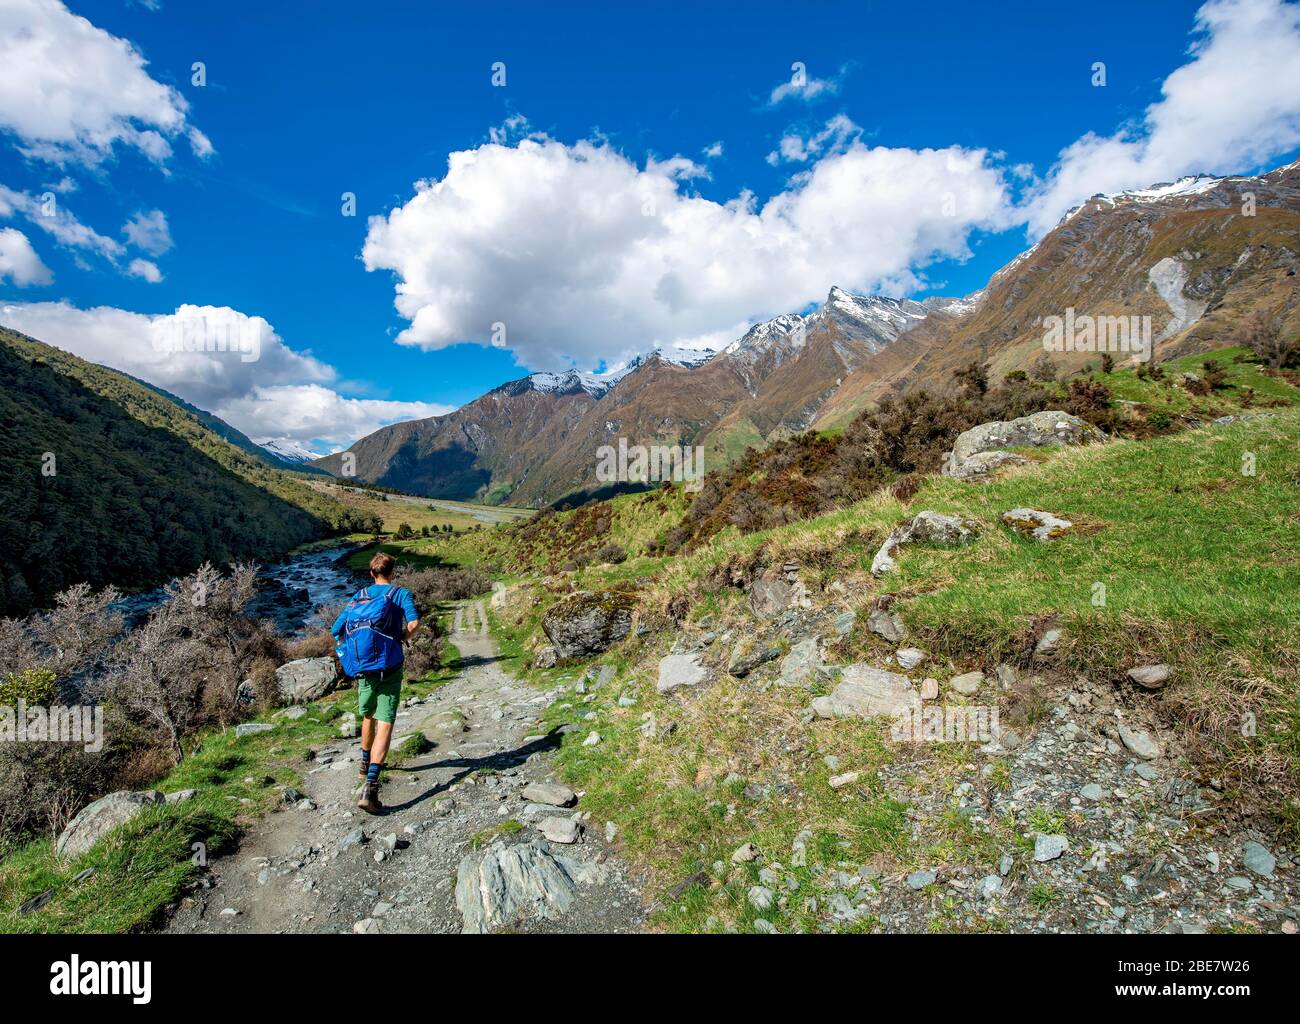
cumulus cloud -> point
(302, 411)
(584, 257)
(221, 360)
(145, 269)
(149, 231)
(1233, 106)
(19, 262)
(71, 92)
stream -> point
(289, 591)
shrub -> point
(1265, 336)
(611, 553)
(32, 686)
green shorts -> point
(377, 695)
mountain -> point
(106, 480)
(483, 449)
(533, 441)
(1197, 256)
(223, 429)
(286, 451)
(792, 364)
(1193, 255)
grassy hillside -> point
(1194, 537)
(105, 480)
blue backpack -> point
(370, 640)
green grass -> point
(147, 863)
(1199, 565)
(489, 835)
(1168, 394)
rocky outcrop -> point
(868, 692)
(305, 680)
(510, 885)
(927, 528)
(589, 622)
(1049, 429)
(983, 464)
(95, 820)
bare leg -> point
(367, 733)
(382, 734)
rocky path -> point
(479, 805)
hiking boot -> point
(370, 802)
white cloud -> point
(283, 393)
(712, 152)
(835, 137)
(19, 262)
(312, 413)
(801, 87)
(145, 269)
(50, 215)
(586, 257)
(72, 92)
(149, 231)
(1232, 107)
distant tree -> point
(1107, 362)
(404, 532)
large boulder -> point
(1048, 429)
(868, 692)
(589, 622)
(95, 820)
(305, 680)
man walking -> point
(368, 636)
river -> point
(290, 591)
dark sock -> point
(372, 773)
(365, 758)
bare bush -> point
(1266, 337)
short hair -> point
(383, 564)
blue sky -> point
(303, 103)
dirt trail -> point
(301, 870)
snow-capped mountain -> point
(287, 450)
(869, 322)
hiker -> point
(368, 636)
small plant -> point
(1160, 420)
(1041, 896)
(1107, 362)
